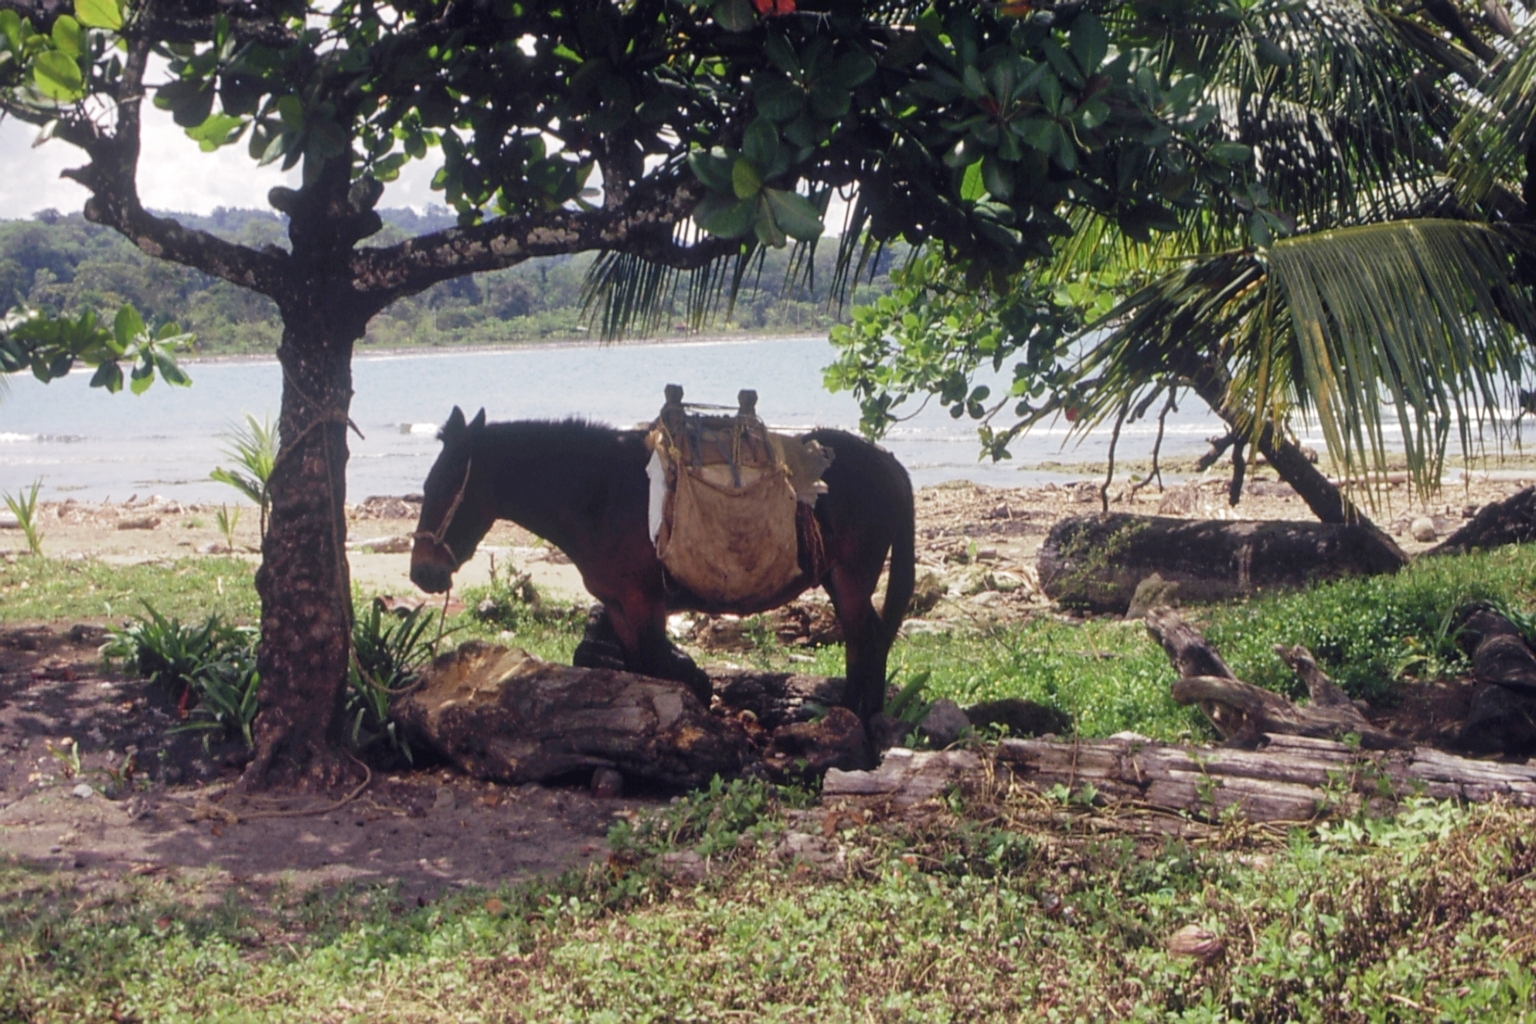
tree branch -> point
(642, 227)
(112, 178)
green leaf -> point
(746, 183)
(852, 70)
(778, 50)
(67, 36)
(724, 217)
(1038, 133)
(291, 110)
(1091, 114)
(1089, 42)
(760, 144)
(830, 103)
(58, 76)
(713, 171)
(767, 229)
(975, 85)
(127, 326)
(1230, 153)
(170, 371)
(779, 99)
(972, 187)
(108, 375)
(218, 130)
(794, 213)
(1050, 92)
(10, 27)
(997, 177)
(735, 15)
(107, 14)
(189, 100)
(143, 375)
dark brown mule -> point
(583, 488)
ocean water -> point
(86, 444)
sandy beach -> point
(1005, 525)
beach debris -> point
(139, 523)
(392, 545)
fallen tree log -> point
(1242, 712)
(1511, 521)
(1291, 779)
(1502, 716)
(502, 714)
(1096, 562)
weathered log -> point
(1502, 718)
(777, 698)
(1291, 779)
(1095, 562)
(502, 714)
(1511, 521)
(1242, 712)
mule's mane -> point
(574, 433)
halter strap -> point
(436, 537)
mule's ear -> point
(478, 423)
(454, 427)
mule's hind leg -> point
(863, 639)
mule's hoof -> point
(598, 654)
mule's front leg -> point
(640, 630)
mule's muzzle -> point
(434, 579)
(428, 571)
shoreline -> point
(395, 351)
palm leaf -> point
(1418, 317)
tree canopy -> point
(1374, 254)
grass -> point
(982, 910)
(52, 590)
(987, 906)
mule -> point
(583, 487)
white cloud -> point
(174, 174)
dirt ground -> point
(429, 829)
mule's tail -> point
(903, 574)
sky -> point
(177, 177)
(174, 175)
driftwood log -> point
(1096, 562)
(1292, 778)
(502, 714)
(1511, 521)
(1244, 713)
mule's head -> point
(455, 510)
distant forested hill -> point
(64, 264)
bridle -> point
(436, 537)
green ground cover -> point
(1008, 906)
(986, 909)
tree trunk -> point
(1322, 496)
(1511, 521)
(303, 582)
(1097, 561)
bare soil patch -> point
(426, 828)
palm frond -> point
(1490, 141)
(1418, 317)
